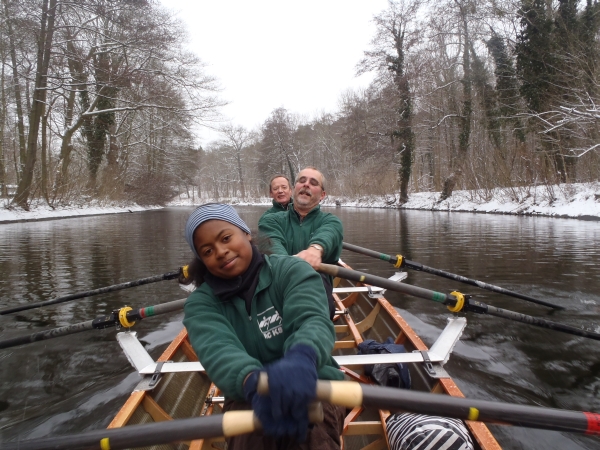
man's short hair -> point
(279, 175)
(322, 176)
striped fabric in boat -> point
(408, 431)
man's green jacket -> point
(290, 236)
(277, 208)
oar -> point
(455, 301)
(124, 317)
(103, 290)
(399, 261)
(231, 423)
(351, 394)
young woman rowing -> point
(253, 312)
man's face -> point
(280, 190)
(308, 190)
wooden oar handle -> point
(242, 422)
(342, 393)
(315, 409)
(239, 422)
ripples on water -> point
(78, 382)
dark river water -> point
(78, 382)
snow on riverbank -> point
(41, 211)
(577, 201)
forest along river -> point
(78, 382)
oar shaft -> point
(420, 267)
(361, 277)
(48, 334)
(538, 322)
(231, 423)
(97, 323)
(351, 394)
(162, 308)
(103, 290)
(450, 300)
(371, 253)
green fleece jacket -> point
(288, 308)
(290, 236)
(277, 208)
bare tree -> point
(397, 32)
(238, 138)
(279, 150)
(44, 46)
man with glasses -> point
(304, 230)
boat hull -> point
(363, 315)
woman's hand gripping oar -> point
(455, 301)
(103, 290)
(351, 394)
(399, 262)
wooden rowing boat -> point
(181, 389)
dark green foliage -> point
(506, 95)
(557, 57)
(95, 128)
(488, 99)
(567, 24)
(589, 27)
(536, 63)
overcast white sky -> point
(298, 54)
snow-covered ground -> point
(577, 201)
(41, 211)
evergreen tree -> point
(507, 89)
(535, 51)
(588, 30)
(489, 101)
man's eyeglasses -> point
(312, 181)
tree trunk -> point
(44, 153)
(39, 100)
(239, 167)
(466, 114)
(3, 188)
(17, 88)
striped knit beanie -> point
(211, 211)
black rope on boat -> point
(399, 262)
(103, 290)
(452, 300)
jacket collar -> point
(310, 213)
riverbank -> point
(41, 211)
(573, 201)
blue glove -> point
(292, 385)
(262, 407)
